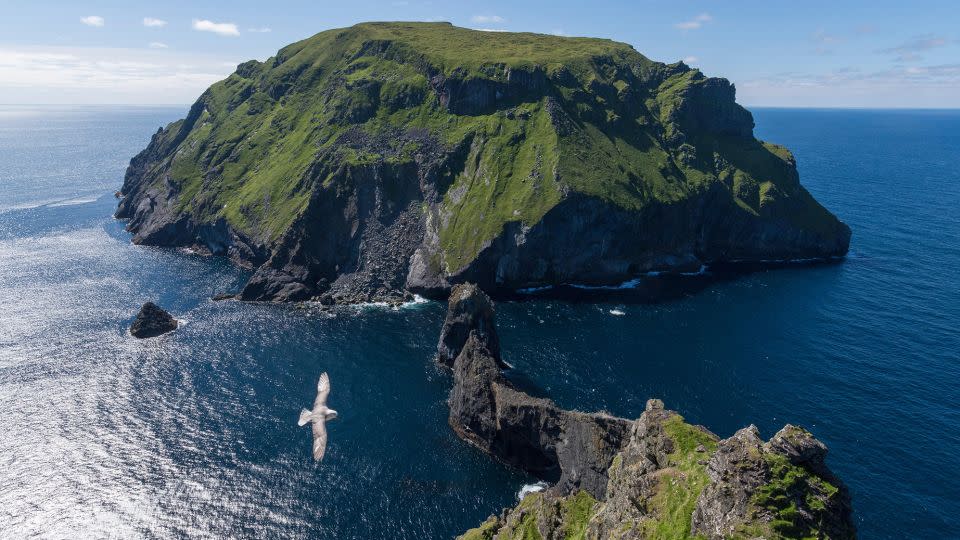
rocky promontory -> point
(655, 477)
(570, 449)
(366, 162)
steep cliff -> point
(570, 449)
(675, 480)
(384, 157)
(656, 477)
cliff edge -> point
(655, 477)
(368, 161)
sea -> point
(195, 434)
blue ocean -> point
(195, 434)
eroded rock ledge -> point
(571, 449)
(655, 477)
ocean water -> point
(194, 434)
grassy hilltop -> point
(499, 128)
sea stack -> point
(152, 321)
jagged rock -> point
(747, 489)
(222, 296)
(376, 161)
(152, 321)
(569, 448)
(656, 477)
(781, 488)
(468, 310)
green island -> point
(367, 162)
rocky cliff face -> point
(570, 449)
(385, 157)
(655, 477)
(675, 480)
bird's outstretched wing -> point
(323, 389)
(319, 438)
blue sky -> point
(814, 54)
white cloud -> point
(93, 20)
(158, 45)
(925, 86)
(558, 32)
(87, 75)
(690, 60)
(910, 51)
(224, 29)
(154, 23)
(490, 29)
(261, 30)
(695, 22)
(487, 19)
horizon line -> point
(748, 107)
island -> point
(387, 159)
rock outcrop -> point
(656, 477)
(389, 157)
(676, 480)
(469, 310)
(152, 321)
(570, 449)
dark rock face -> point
(570, 448)
(430, 199)
(742, 488)
(754, 481)
(468, 310)
(152, 321)
(643, 472)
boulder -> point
(152, 321)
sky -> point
(843, 53)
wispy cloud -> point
(223, 29)
(690, 60)
(825, 42)
(158, 45)
(490, 29)
(105, 75)
(695, 23)
(902, 80)
(909, 51)
(154, 23)
(487, 19)
(93, 20)
(261, 30)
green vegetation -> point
(679, 485)
(570, 516)
(572, 115)
(577, 510)
(486, 531)
(790, 486)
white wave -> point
(71, 202)
(617, 312)
(630, 284)
(531, 488)
(700, 272)
(417, 300)
(531, 290)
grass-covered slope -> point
(449, 142)
(676, 481)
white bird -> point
(319, 415)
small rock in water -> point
(223, 296)
(152, 321)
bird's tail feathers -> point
(305, 417)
